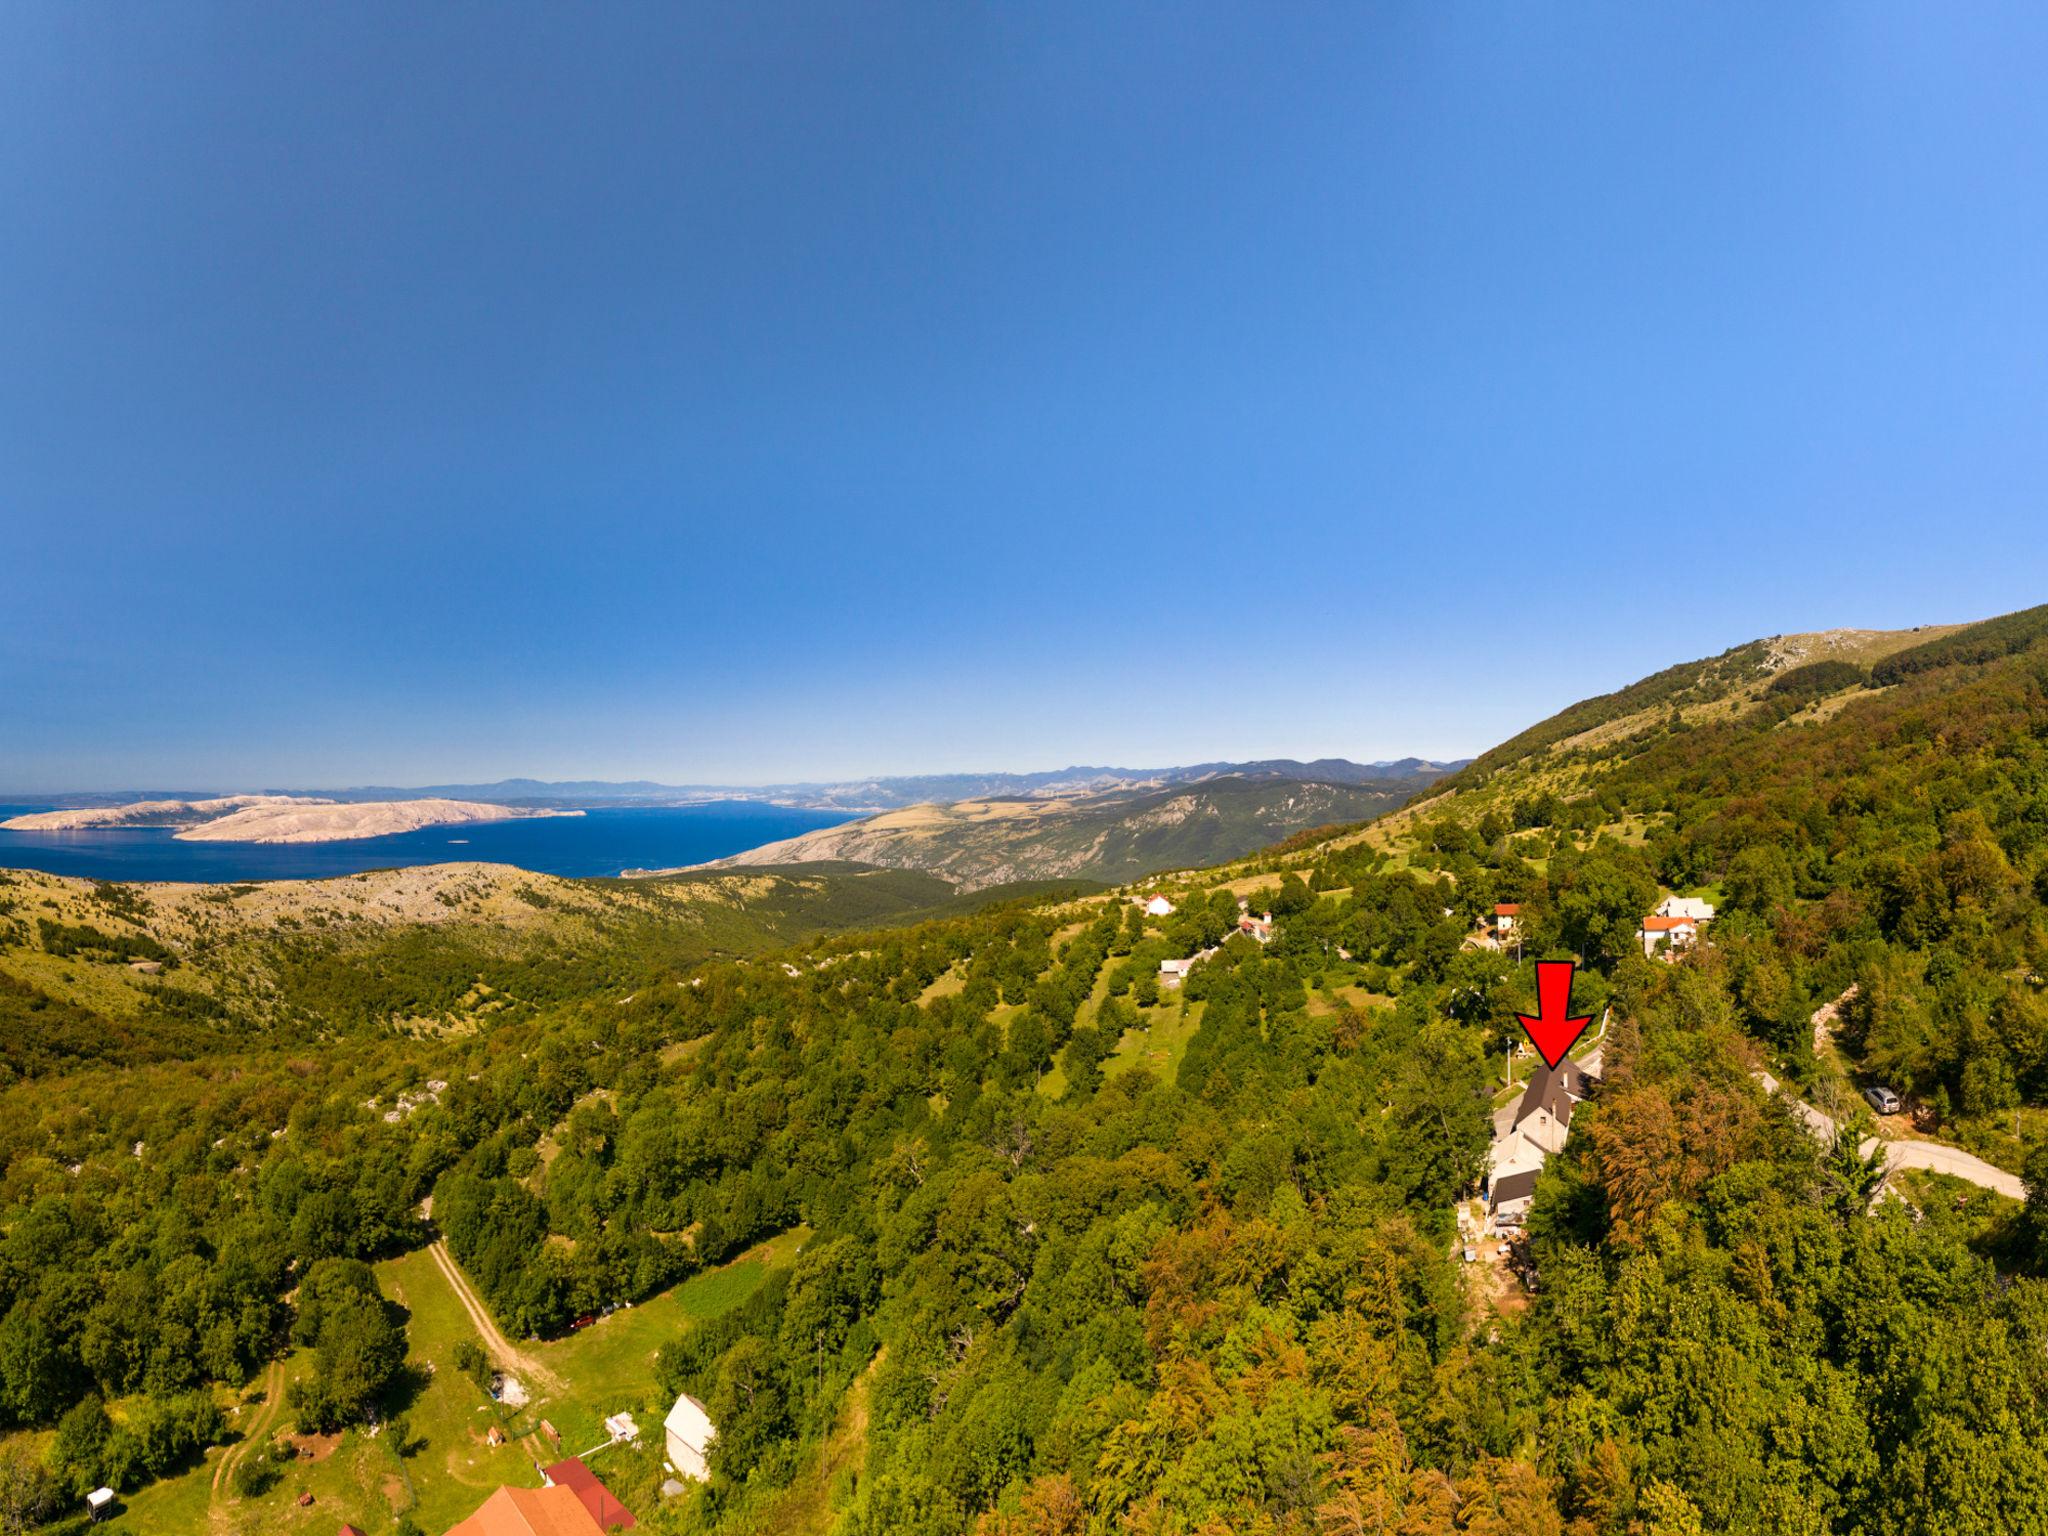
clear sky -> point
(719, 393)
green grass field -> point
(1157, 1041)
(610, 1364)
(357, 1477)
(1337, 999)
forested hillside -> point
(1086, 1253)
(1114, 836)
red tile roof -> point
(1508, 909)
(607, 1511)
(555, 1511)
(1666, 924)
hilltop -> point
(1111, 836)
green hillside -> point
(1883, 826)
(958, 1221)
(121, 973)
(1110, 838)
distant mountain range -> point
(866, 795)
(1114, 834)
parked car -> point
(1884, 1101)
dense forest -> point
(1078, 1281)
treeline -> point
(67, 939)
(1992, 640)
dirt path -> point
(1828, 1015)
(537, 1378)
(252, 1436)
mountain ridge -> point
(1113, 835)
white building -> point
(687, 1436)
(1159, 906)
(1542, 1121)
(1686, 906)
(1173, 972)
(1673, 932)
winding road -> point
(1936, 1156)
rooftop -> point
(553, 1511)
(606, 1510)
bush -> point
(255, 1476)
(473, 1363)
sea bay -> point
(602, 841)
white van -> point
(1884, 1101)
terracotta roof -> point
(1508, 909)
(607, 1511)
(1666, 924)
(529, 1512)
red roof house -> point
(606, 1510)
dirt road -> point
(254, 1432)
(537, 1378)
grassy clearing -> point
(357, 1477)
(1337, 999)
(611, 1363)
(951, 983)
(1003, 1013)
(354, 1477)
(1158, 1041)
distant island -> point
(277, 818)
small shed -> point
(98, 1502)
(687, 1437)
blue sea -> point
(599, 842)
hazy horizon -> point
(254, 787)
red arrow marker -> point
(1551, 1032)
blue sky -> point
(400, 394)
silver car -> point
(1884, 1101)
